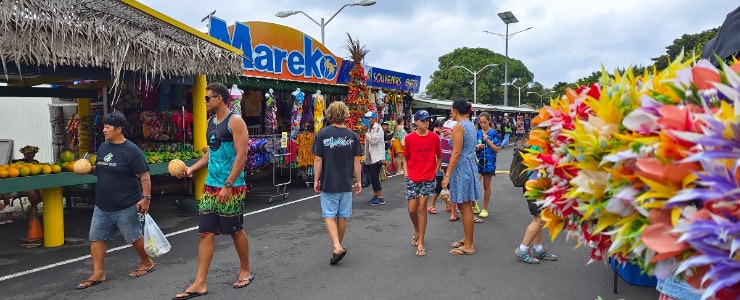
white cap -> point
(506, 114)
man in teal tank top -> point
(221, 209)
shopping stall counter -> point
(51, 185)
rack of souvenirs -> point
(276, 151)
(165, 125)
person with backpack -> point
(489, 144)
(530, 250)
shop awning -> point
(115, 35)
(420, 103)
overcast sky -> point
(569, 39)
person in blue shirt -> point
(489, 143)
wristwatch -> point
(148, 197)
(228, 184)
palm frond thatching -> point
(357, 51)
(105, 33)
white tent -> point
(420, 103)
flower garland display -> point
(643, 168)
(358, 100)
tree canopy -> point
(453, 83)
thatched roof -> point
(120, 35)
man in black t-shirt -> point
(122, 192)
(334, 180)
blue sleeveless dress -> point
(463, 184)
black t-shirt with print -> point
(338, 148)
(118, 167)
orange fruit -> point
(13, 172)
(45, 169)
(67, 156)
(35, 169)
(55, 169)
(70, 166)
(3, 173)
(24, 171)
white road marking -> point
(76, 259)
(72, 260)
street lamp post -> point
(475, 78)
(508, 18)
(541, 95)
(322, 24)
(506, 84)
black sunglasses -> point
(208, 98)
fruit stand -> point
(173, 51)
(62, 179)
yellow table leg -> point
(53, 217)
(200, 125)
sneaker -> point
(2, 222)
(544, 255)
(525, 257)
(483, 213)
(476, 209)
(381, 201)
(374, 201)
(9, 221)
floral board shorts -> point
(415, 190)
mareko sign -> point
(277, 51)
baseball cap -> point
(421, 115)
(384, 123)
(370, 114)
(506, 114)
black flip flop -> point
(248, 280)
(92, 284)
(336, 257)
(146, 271)
(190, 295)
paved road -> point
(290, 253)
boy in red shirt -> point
(422, 160)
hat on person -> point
(506, 114)
(384, 123)
(370, 115)
(421, 115)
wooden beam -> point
(34, 81)
(15, 91)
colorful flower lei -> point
(645, 168)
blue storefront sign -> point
(383, 79)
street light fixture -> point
(475, 78)
(506, 84)
(541, 95)
(508, 18)
(322, 24)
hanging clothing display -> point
(318, 111)
(295, 124)
(305, 155)
(307, 118)
(270, 120)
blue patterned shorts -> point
(415, 190)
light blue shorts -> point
(336, 205)
(105, 224)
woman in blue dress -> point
(460, 176)
(489, 144)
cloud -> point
(569, 39)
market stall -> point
(289, 78)
(109, 60)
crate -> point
(632, 274)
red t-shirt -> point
(421, 154)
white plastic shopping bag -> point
(155, 243)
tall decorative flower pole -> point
(357, 96)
